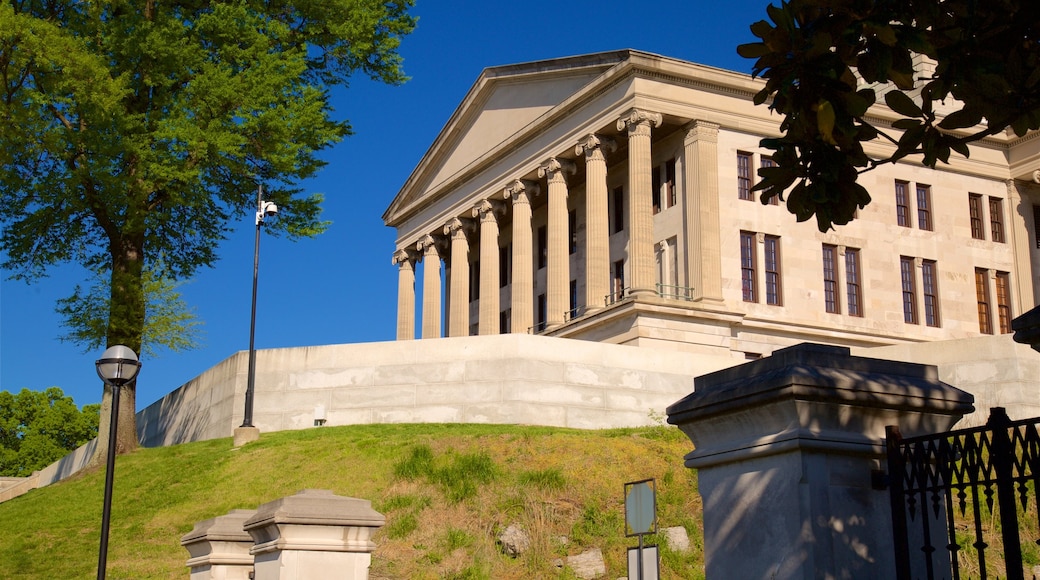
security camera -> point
(270, 208)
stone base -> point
(245, 435)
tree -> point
(826, 61)
(38, 428)
(131, 131)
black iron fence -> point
(964, 503)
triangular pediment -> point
(502, 102)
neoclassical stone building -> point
(606, 197)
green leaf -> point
(899, 102)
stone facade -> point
(612, 190)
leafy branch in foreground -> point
(825, 62)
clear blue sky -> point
(341, 286)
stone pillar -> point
(219, 548)
(597, 235)
(405, 260)
(431, 314)
(522, 291)
(1017, 234)
(703, 233)
(785, 448)
(638, 123)
(489, 299)
(313, 535)
(558, 264)
(458, 300)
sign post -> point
(641, 519)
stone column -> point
(219, 548)
(489, 299)
(785, 448)
(558, 264)
(458, 301)
(314, 535)
(431, 315)
(1018, 211)
(597, 235)
(522, 291)
(638, 123)
(405, 260)
(703, 233)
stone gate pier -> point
(789, 451)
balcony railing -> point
(675, 292)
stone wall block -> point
(313, 535)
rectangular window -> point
(1003, 280)
(543, 246)
(669, 183)
(774, 294)
(573, 297)
(505, 266)
(655, 189)
(744, 176)
(902, 204)
(930, 291)
(996, 219)
(572, 230)
(924, 207)
(768, 162)
(975, 213)
(618, 204)
(906, 272)
(830, 279)
(853, 290)
(505, 321)
(982, 298)
(747, 266)
(619, 281)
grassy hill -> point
(447, 492)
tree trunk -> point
(125, 326)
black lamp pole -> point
(262, 209)
(117, 366)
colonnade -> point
(637, 125)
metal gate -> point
(964, 503)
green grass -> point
(447, 491)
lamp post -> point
(117, 366)
(263, 209)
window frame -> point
(1003, 285)
(982, 300)
(978, 231)
(996, 220)
(909, 289)
(853, 286)
(902, 203)
(831, 300)
(930, 293)
(771, 269)
(748, 276)
(924, 207)
(744, 162)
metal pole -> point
(247, 419)
(639, 559)
(110, 464)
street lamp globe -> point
(118, 365)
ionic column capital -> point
(458, 228)
(639, 121)
(403, 255)
(521, 191)
(554, 168)
(592, 146)
(428, 245)
(487, 210)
